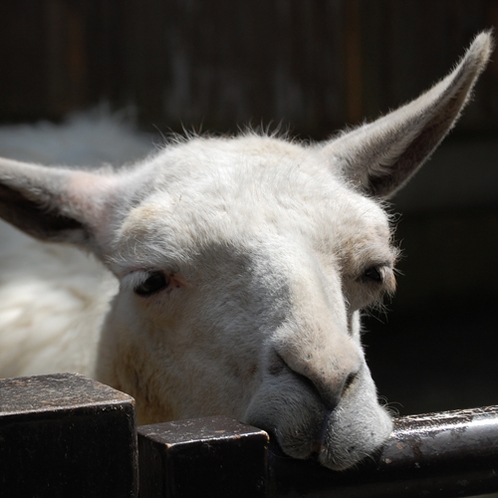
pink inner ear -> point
(91, 197)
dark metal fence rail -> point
(65, 435)
(438, 454)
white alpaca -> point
(229, 274)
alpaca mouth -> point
(311, 447)
(314, 457)
(316, 449)
(318, 446)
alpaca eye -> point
(155, 282)
(372, 274)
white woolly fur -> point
(218, 275)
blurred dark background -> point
(313, 66)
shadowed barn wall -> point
(311, 67)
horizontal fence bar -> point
(445, 454)
(66, 435)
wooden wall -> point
(314, 65)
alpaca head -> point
(244, 264)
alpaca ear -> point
(58, 204)
(379, 158)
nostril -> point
(277, 365)
(332, 390)
(329, 386)
(349, 381)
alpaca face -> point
(243, 265)
(251, 308)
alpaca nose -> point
(332, 388)
(328, 371)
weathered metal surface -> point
(443, 454)
(208, 457)
(64, 435)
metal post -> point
(208, 457)
(64, 435)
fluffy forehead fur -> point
(244, 191)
